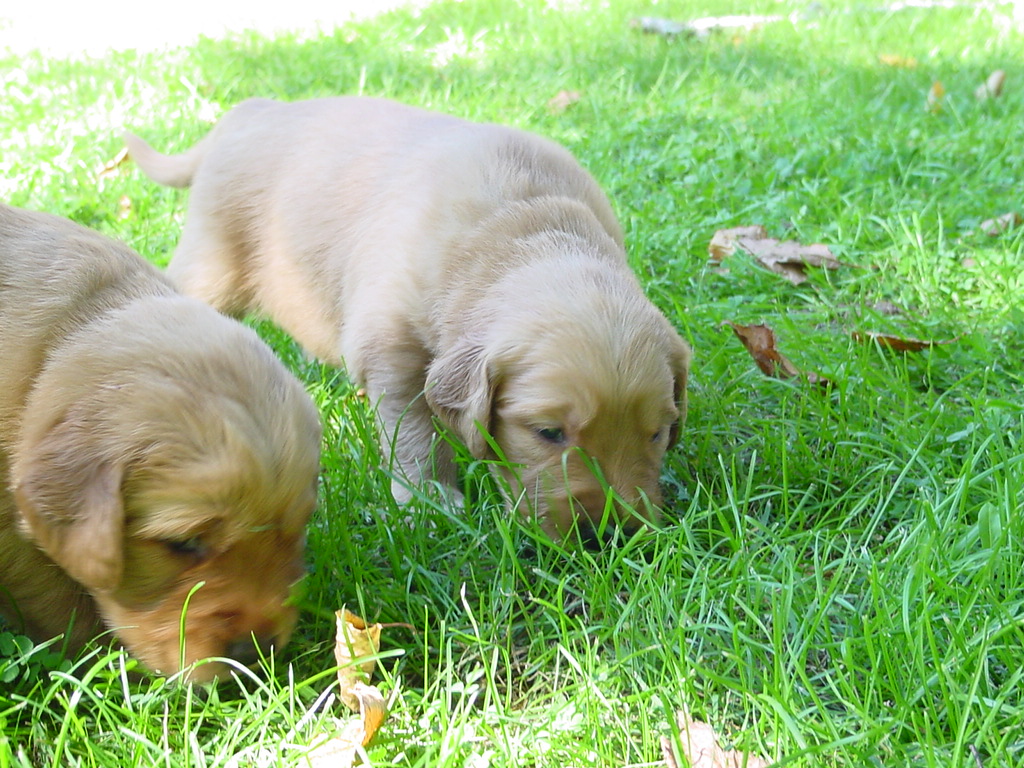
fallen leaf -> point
(723, 242)
(897, 343)
(899, 62)
(992, 87)
(699, 744)
(786, 257)
(762, 345)
(110, 169)
(354, 641)
(337, 751)
(933, 102)
(562, 100)
(998, 225)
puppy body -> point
(147, 446)
(474, 263)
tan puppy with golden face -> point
(148, 445)
(471, 272)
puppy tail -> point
(169, 170)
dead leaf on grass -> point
(998, 225)
(762, 345)
(354, 641)
(897, 343)
(786, 257)
(992, 88)
(700, 748)
(562, 100)
(338, 751)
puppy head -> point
(583, 389)
(172, 476)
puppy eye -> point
(657, 435)
(552, 434)
(193, 547)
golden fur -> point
(147, 444)
(474, 263)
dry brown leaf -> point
(338, 751)
(992, 88)
(897, 343)
(354, 641)
(998, 225)
(933, 102)
(700, 747)
(897, 61)
(562, 100)
(723, 242)
(762, 345)
(785, 257)
(110, 169)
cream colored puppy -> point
(471, 272)
(153, 454)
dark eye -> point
(551, 434)
(193, 547)
(657, 435)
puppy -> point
(471, 272)
(156, 460)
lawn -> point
(839, 578)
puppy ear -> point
(71, 505)
(460, 391)
(679, 360)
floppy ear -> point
(679, 360)
(460, 391)
(71, 506)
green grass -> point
(840, 579)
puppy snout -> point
(249, 649)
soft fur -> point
(474, 263)
(147, 445)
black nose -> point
(249, 649)
(593, 542)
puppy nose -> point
(248, 649)
(589, 537)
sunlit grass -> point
(838, 580)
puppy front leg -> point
(407, 432)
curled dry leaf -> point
(998, 225)
(354, 641)
(787, 258)
(992, 88)
(562, 100)
(897, 343)
(338, 751)
(761, 343)
(700, 748)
